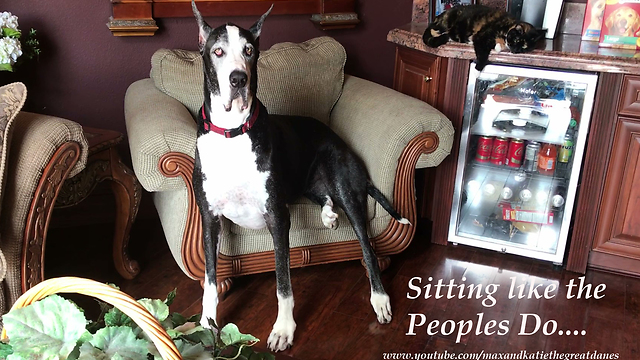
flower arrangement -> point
(10, 46)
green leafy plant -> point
(56, 328)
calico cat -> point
(487, 27)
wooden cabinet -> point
(616, 245)
(419, 75)
(441, 82)
(606, 229)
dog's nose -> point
(238, 79)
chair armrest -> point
(157, 124)
(378, 123)
(44, 151)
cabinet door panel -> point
(417, 74)
(618, 230)
(630, 100)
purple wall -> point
(84, 71)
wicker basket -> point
(108, 294)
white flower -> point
(8, 20)
(10, 50)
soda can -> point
(530, 162)
(557, 200)
(526, 195)
(485, 145)
(506, 193)
(564, 155)
(514, 155)
(499, 151)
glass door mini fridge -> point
(521, 149)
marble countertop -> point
(565, 51)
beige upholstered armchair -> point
(393, 133)
(38, 153)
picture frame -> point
(437, 7)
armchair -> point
(394, 134)
(38, 153)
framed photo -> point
(437, 7)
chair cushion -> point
(12, 99)
(294, 79)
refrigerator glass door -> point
(521, 150)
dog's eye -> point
(248, 50)
(218, 51)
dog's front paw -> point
(281, 336)
(382, 307)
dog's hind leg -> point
(279, 222)
(354, 204)
(210, 234)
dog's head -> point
(522, 37)
(597, 10)
(623, 21)
(229, 54)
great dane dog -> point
(249, 165)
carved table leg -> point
(127, 191)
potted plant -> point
(42, 325)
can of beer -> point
(514, 155)
(564, 155)
(530, 162)
(499, 151)
(485, 145)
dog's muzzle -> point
(238, 79)
(238, 83)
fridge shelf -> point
(545, 125)
(512, 206)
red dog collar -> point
(229, 133)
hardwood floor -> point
(333, 314)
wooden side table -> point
(104, 163)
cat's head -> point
(522, 37)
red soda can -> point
(485, 144)
(499, 151)
(515, 153)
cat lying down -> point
(485, 27)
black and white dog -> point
(250, 165)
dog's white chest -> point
(233, 185)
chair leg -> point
(224, 285)
(127, 192)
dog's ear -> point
(203, 28)
(257, 27)
(609, 22)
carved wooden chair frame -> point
(394, 239)
(39, 215)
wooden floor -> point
(332, 311)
